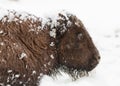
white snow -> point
(11, 15)
(3, 13)
(23, 55)
(1, 31)
(52, 44)
(1, 43)
(52, 56)
(53, 20)
(102, 20)
(53, 33)
(9, 71)
(17, 75)
(8, 85)
(33, 72)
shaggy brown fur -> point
(24, 54)
(28, 50)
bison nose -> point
(98, 58)
(94, 62)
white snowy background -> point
(102, 20)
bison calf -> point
(30, 48)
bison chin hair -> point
(73, 73)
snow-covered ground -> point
(102, 20)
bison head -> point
(77, 54)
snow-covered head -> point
(77, 54)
